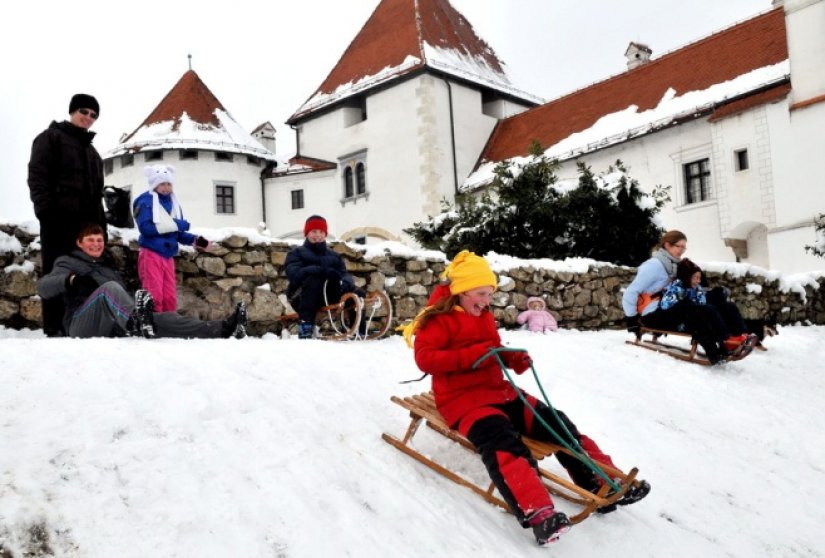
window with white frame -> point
(354, 176)
(224, 199)
(697, 181)
(297, 199)
(740, 160)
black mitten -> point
(633, 324)
(82, 285)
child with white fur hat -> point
(159, 219)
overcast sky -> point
(264, 58)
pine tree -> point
(525, 213)
(818, 248)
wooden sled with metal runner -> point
(351, 318)
(422, 408)
(688, 354)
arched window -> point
(360, 179)
(348, 191)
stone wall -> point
(253, 271)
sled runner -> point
(422, 408)
(352, 318)
(690, 354)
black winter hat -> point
(82, 100)
(685, 270)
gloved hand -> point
(183, 224)
(633, 324)
(313, 270)
(332, 274)
(469, 355)
(82, 285)
(201, 243)
(520, 362)
(348, 287)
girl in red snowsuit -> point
(451, 334)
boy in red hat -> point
(316, 274)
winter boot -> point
(733, 342)
(745, 347)
(143, 314)
(635, 493)
(235, 325)
(548, 529)
(305, 330)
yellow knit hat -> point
(468, 271)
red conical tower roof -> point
(402, 37)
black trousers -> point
(704, 321)
(57, 238)
(309, 298)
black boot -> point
(548, 530)
(235, 325)
(142, 320)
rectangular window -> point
(127, 160)
(741, 159)
(697, 181)
(252, 160)
(297, 199)
(188, 154)
(223, 156)
(360, 240)
(108, 166)
(225, 199)
(154, 156)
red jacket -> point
(446, 347)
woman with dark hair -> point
(643, 305)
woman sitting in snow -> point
(452, 333)
(538, 319)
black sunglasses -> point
(90, 113)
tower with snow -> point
(219, 167)
(395, 127)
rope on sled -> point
(574, 447)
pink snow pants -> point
(157, 275)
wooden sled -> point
(690, 354)
(422, 407)
(344, 319)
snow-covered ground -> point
(264, 447)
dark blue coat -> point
(315, 259)
(164, 244)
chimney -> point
(637, 54)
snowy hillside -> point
(271, 448)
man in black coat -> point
(97, 304)
(66, 187)
(316, 275)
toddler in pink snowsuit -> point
(537, 318)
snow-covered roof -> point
(191, 117)
(402, 37)
(721, 74)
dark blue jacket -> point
(164, 244)
(315, 259)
